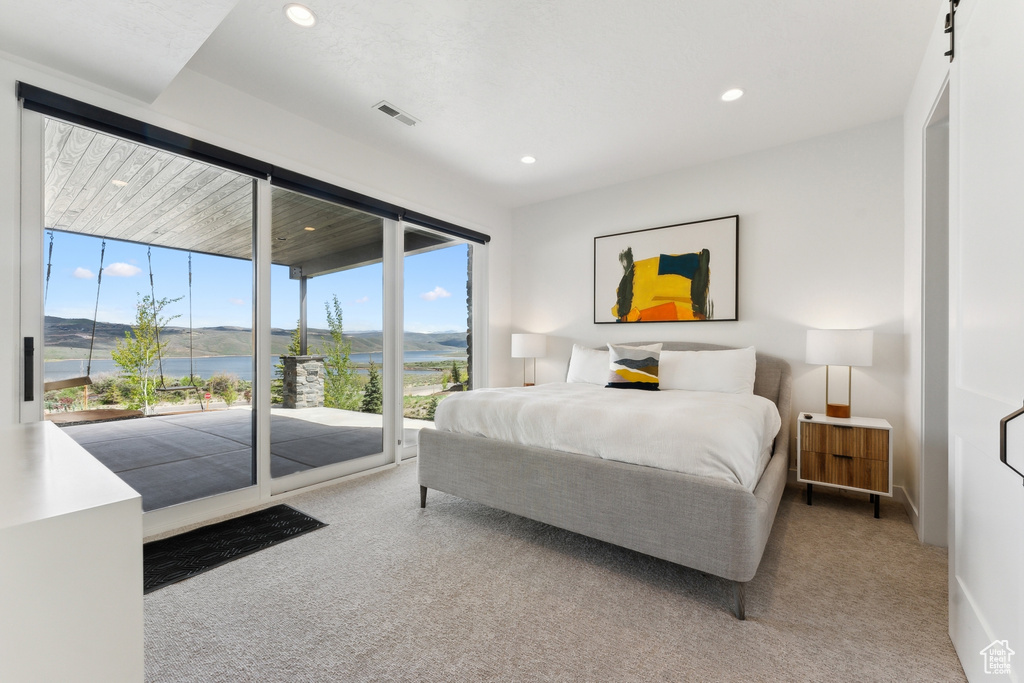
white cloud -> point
(121, 270)
(436, 293)
(362, 300)
(83, 274)
(237, 302)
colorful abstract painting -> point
(677, 273)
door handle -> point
(30, 367)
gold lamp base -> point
(837, 410)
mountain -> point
(68, 338)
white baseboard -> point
(899, 494)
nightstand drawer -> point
(854, 442)
(840, 470)
(872, 475)
(827, 468)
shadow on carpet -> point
(177, 558)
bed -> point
(713, 525)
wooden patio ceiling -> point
(97, 184)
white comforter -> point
(719, 436)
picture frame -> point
(686, 272)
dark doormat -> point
(177, 558)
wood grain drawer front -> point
(858, 473)
(872, 475)
(814, 437)
(812, 465)
(876, 444)
(854, 442)
(827, 468)
(858, 442)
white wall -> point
(821, 245)
(197, 106)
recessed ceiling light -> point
(730, 95)
(119, 183)
(527, 160)
(281, 239)
(300, 14)
(309, 229)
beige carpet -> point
(461, 592)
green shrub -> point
(223, 385)
(434, 400)
(373, 394)
(112, 396)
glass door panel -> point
(438, 319)
(327, 339)
(148, 346)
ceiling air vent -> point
(395, 113)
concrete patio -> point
(171, 459)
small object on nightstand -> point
(852, 453)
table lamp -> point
(839, 347)
(529, 346)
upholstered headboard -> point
(773, 379)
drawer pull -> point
(840, 455)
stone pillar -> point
(303, 381)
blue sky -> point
(435, 287)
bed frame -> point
(710, 525)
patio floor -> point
(176, 458)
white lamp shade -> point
(839, 347)
(529, 345)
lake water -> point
(239, 366)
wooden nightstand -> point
(852, 453)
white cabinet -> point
(70, 562)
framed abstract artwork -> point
(677, 273)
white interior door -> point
(987, 331)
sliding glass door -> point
(329, 394)
(438, 326)
(220, 334)
(147, 301)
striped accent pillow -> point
(634, 367)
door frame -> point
(933, 447)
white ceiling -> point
(135, 48)
(599, 91)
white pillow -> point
(589, 366)
(727, 371)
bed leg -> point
(423, 496)
(739, 600)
